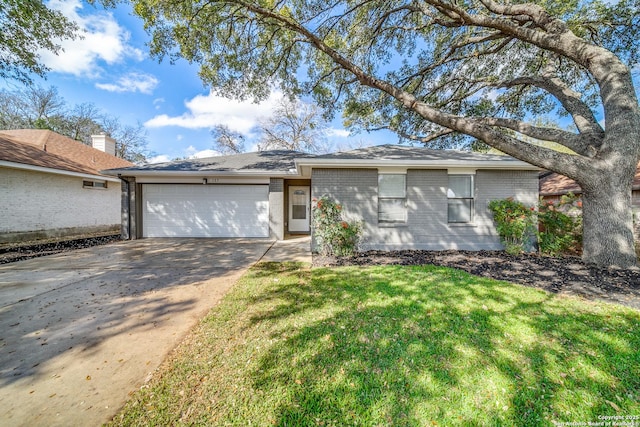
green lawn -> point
(395, 345)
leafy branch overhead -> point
(28, 27)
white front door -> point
(299, 209)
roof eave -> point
(303, 164)
(42, 169)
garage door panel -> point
(205, 210)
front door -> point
(299, 209)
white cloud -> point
(206, 111)
(190, 152)
(340, 133)
(132, 82)
(193, 153)
(103, 39)
(162, 158)
(158, 102)
(204, 153)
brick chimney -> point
(104, 143)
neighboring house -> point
(51, 185)
(407, 197)
(553, 186)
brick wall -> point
(34, 201)
(427, 225)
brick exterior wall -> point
(427, 226)
(56, 205)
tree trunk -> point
(608, 223)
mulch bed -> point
(13, 253)
(567, 275)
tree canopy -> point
(434, 69)
(29, 26)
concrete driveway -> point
(81, 330)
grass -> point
(405, 346)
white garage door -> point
(171, 210)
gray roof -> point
(269, 162)
(288, 162)
(403, 152)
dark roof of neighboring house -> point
(48, 149)
(553, 184)
(273, 161)
(404, 152)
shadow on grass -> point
(411, 345)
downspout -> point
(125, 220)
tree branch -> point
(580, 112)
(580, 144)
(422, 139)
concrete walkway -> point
(296, 248)
(82, 330)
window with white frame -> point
(460, 197)
(392, 198)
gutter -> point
(42, 169)
(200, 173)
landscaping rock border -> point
(19, 252)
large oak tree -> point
(433, 69)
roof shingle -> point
(404, 152)
(273, 161)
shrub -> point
(333, 234)
(560, 226)
(515, 223)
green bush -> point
(558, 230)
(515, 223)
(560, 226)
(333, 234)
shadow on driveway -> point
(81, 330)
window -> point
(299, 204)
(94, 184)
(460, 198)
(392, 198)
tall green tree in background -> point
(450, 68)
(28, 27)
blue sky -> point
(111, 68)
